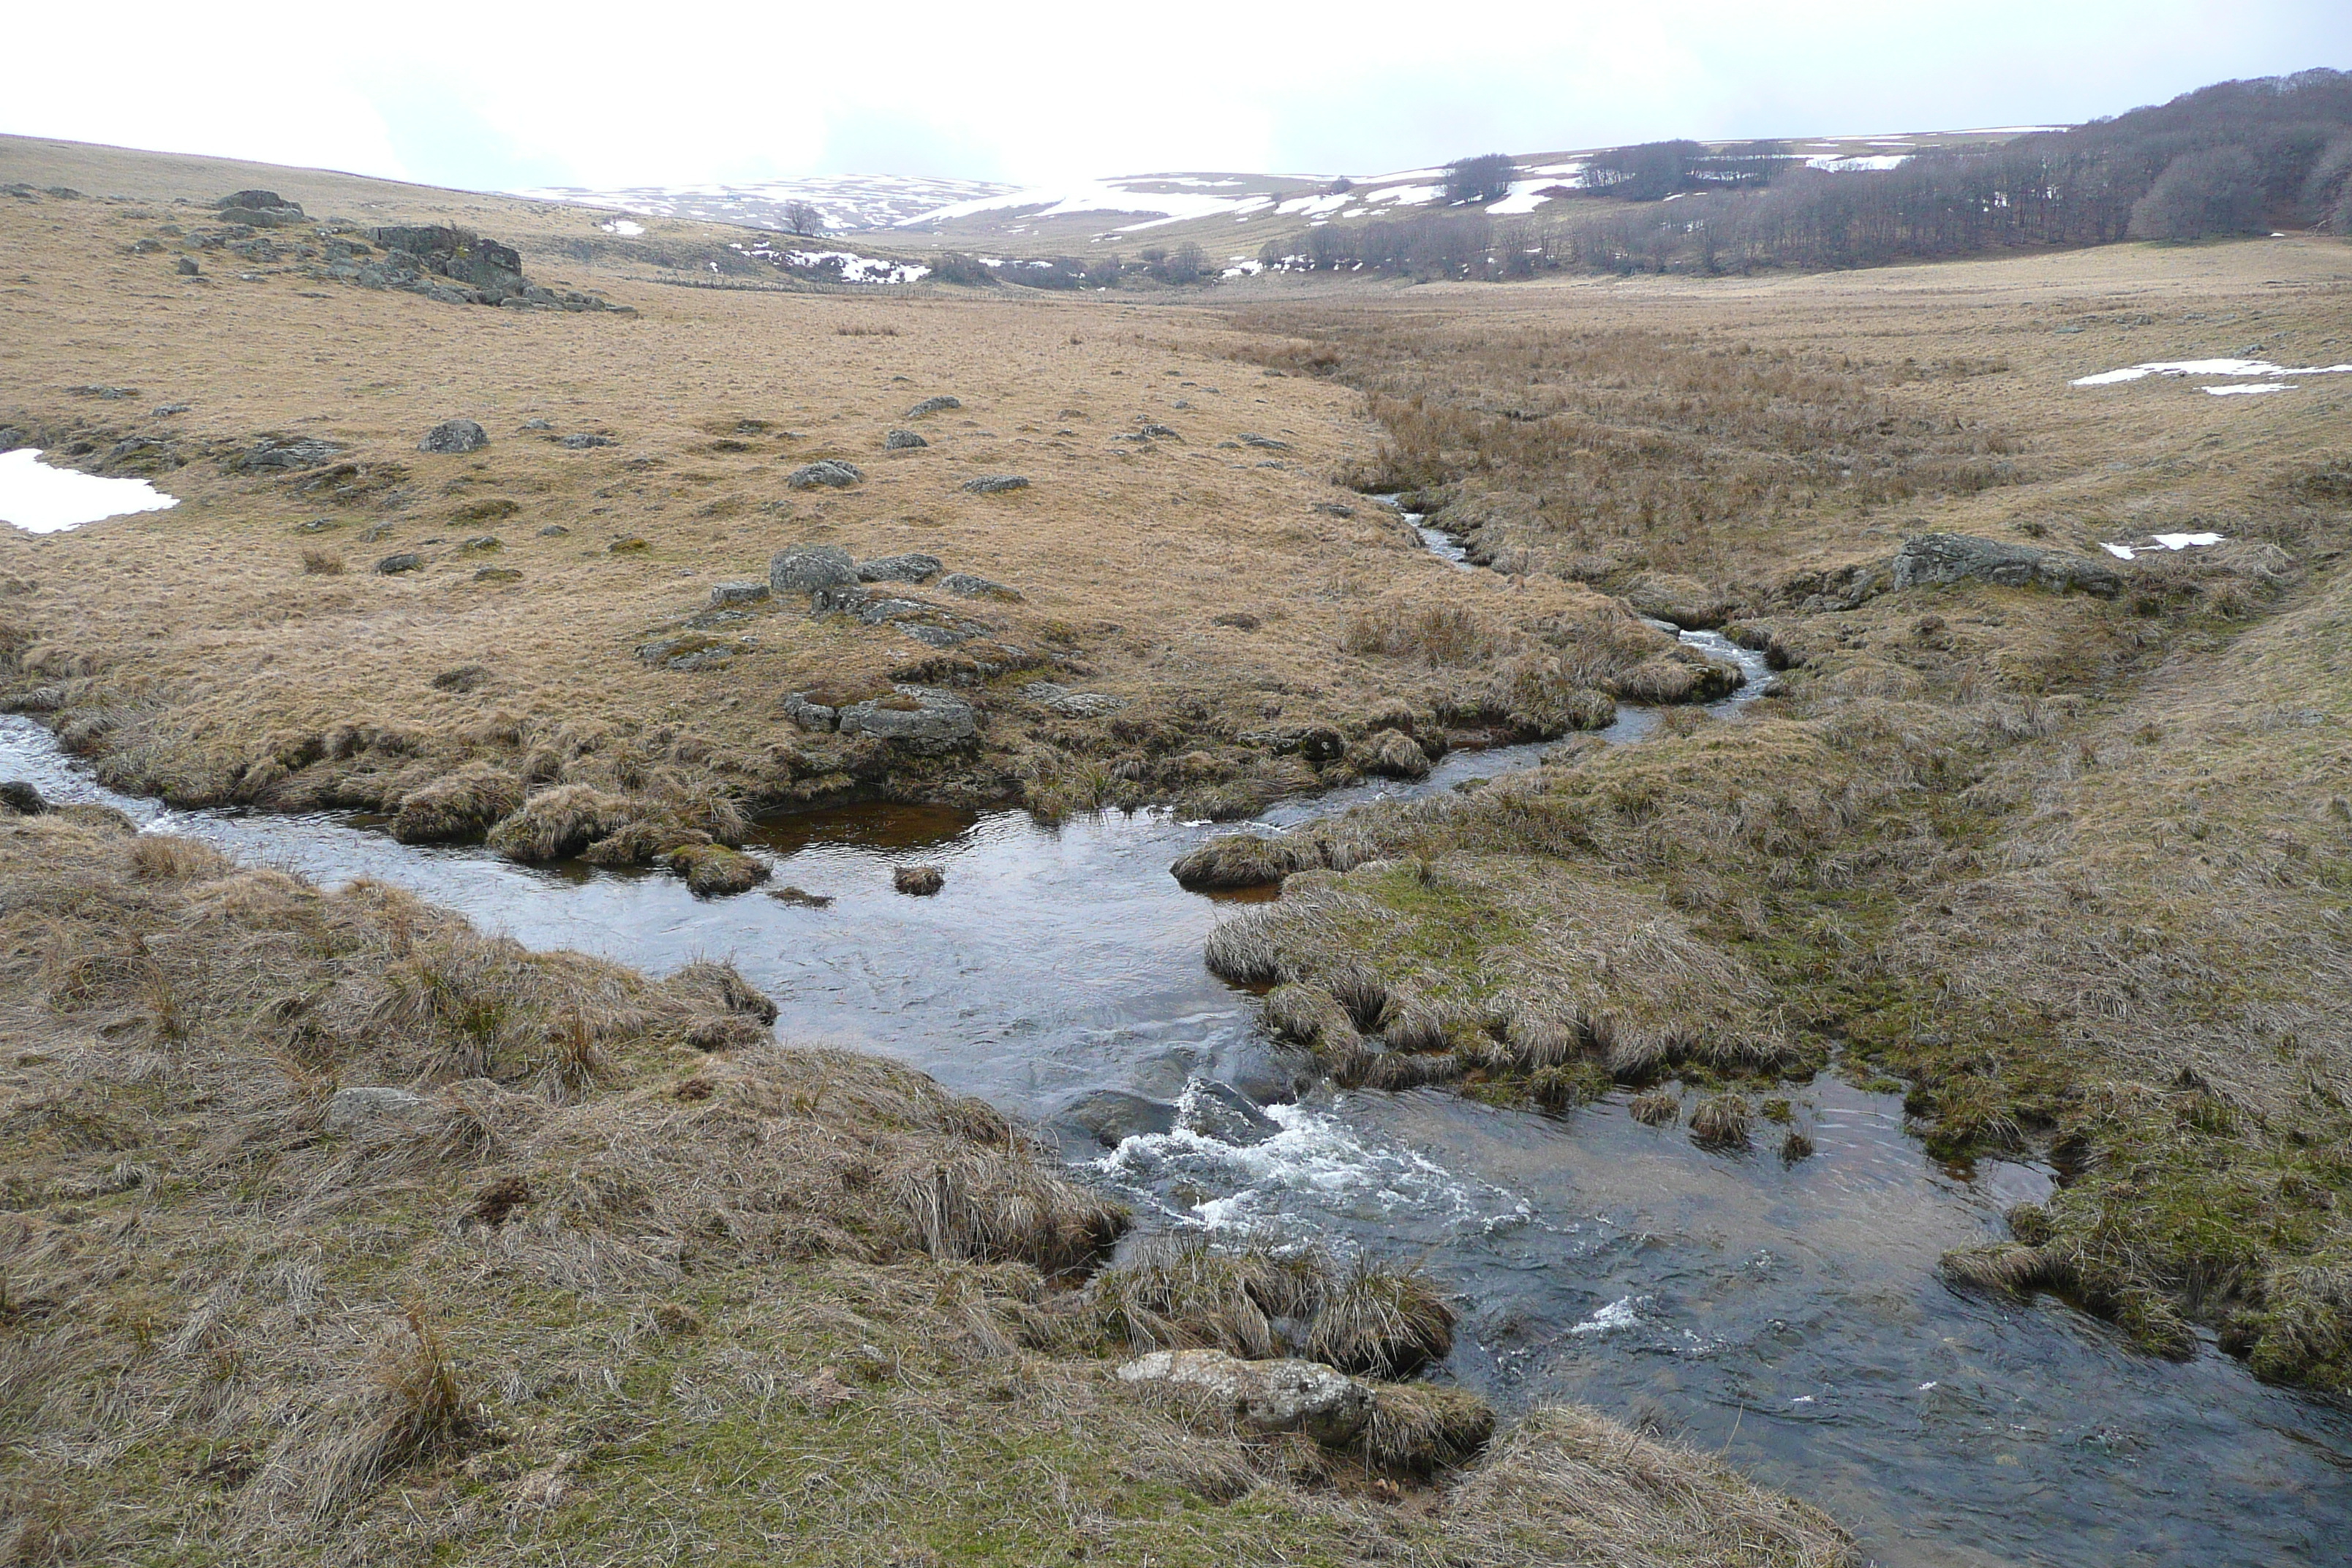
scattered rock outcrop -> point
(281, 454)
(933, 406)
(995, 484)
(455, 266)
(691, 650)
(260, 209)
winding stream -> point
(1790, 1317)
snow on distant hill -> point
(1138, 202)
(844, 202)
(972, 211)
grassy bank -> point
(336, 1231)
(2074, 866)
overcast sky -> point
(499, 97)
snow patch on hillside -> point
(843, 203)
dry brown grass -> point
(1124, 553)
(591, 1275)
(1639, 1503)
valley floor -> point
(2071, 862)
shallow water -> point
(1790, 1317)
(39, 499)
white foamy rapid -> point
(1620, 1314)
(39, 499)
(1314, 1156)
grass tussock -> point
(1380, 1322)
(1721, 1122)
(404, 1407)
(464, 804)
(1361, 1316)
(1421, 1429)
(1188, 1295)
(1566, 1484)
(1244, 860)
(1431, 634)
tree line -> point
(2239, 157)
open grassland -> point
(336, 1231)
(1180, 552)
(2075, 864)
(626, 1279)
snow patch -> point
(623, 227)
(1843, 165)
(39, 499)
(2178, 367)
(2161, 542)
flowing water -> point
(1790, 1317)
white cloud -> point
(601, 94)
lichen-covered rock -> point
(914, 719)
(934, 406)
(1269, 1396)
(826, 473)
(914, 566)
(995, 484)
(902, 441)
(690, 650)
(1944, 558)
(806, 568)
(738, 593)
(971, 587)
(455, 435)
(809, 715)
(357, 1106)
(1060, 698)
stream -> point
(1788, 1317)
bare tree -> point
(802, 218)
(1485, 178)
(2203, 193)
